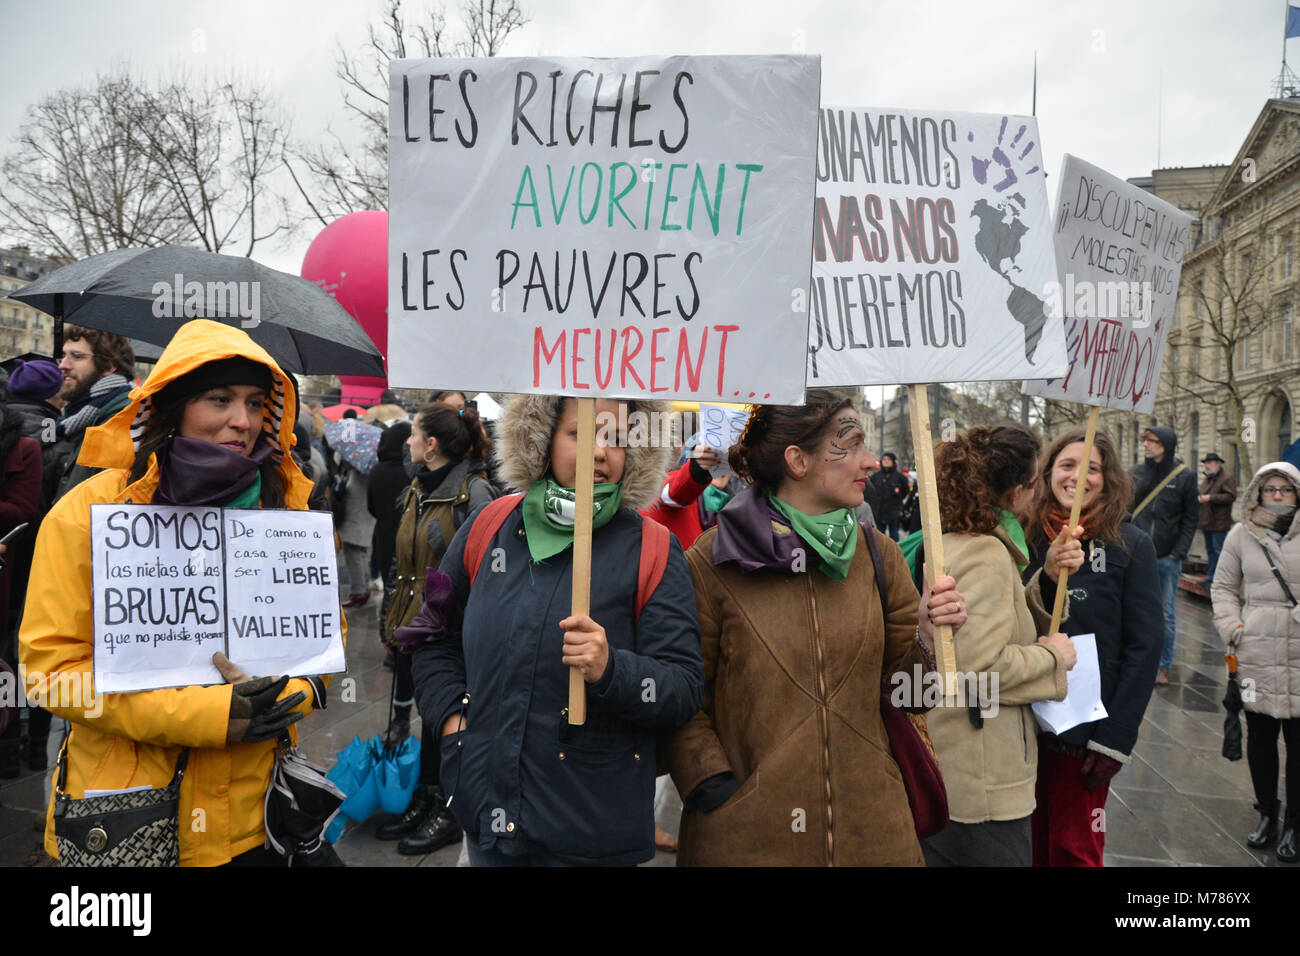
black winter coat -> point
(891, 488)
(1121, 606)
(1171, 518)
(521, 778)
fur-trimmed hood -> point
(523, 445)
(1251, 500)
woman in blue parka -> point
(492, 664)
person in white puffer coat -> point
(1256, 614)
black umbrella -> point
(300, 803)
(148, 294)
(1232, 704)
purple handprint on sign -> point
(980, 167)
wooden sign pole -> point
(1080, 485)
(931, 527)
(585, 492)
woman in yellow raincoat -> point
(212, 425)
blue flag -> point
(1292, 21)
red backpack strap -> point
(484, 529)
(655, 544)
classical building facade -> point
(1231, 374)
(22, 328)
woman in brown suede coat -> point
(788, 761)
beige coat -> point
(990, 771)
(1251, 611)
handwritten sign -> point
(1119, 252)
(720, 428)
(931, 250)
(171, 586)
(623, 227)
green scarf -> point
(833, 535)
(250, 497)
(1011, 525)
(549, 514)
(715, 498)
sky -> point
(1110, 72)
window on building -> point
(1287, 259)
(1284, 347)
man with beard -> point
(97, 370)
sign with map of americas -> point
(932, 250)
(1120, 253)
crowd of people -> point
(752, 608)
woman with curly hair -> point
(987, 748)
(788, 763)
(1112, 575)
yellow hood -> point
(114, 443)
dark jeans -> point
(403, 696)
(889, 527)
(1171, 570)
(1261, 754)
(994, 843)
(1213, 547)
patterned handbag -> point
(119, 829)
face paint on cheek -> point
(837, 454)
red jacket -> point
(677, 508)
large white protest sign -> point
(931, 250)
(1119, 253)
(171, 586)
(720, 428)
(625, 227)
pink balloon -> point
(349, 260)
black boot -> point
(438, 830)
(1286, 849)
(1266, 832)
(399, 726)
(423, 802)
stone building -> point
(1231, 374)
(22, 328)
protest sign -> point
(1119, 253)
(721, 427)
(282, 605)
(171, 586)
(619, 227)
(931, 250)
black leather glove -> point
(255, 714)
(713, 792)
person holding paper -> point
(987, 749)
(494, 644)
(1255, 593)
(211, 426)
(1112, 580)
(789, 762)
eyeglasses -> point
(73, 356)
(1277, 489)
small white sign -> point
(720, 428)
(1082, 704)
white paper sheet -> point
(1082, 702)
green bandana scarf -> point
(250, 497)
(549, 514)
(1011, 525)
(833, 535)
(715, 498)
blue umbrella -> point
(355, 442)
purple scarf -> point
(753, 536)
(196, 472)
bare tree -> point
(121, 164)
(336, 179)
(1208, 363)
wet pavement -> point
(1179, 803)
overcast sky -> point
(1101, 64)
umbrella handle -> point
(1232, 662)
